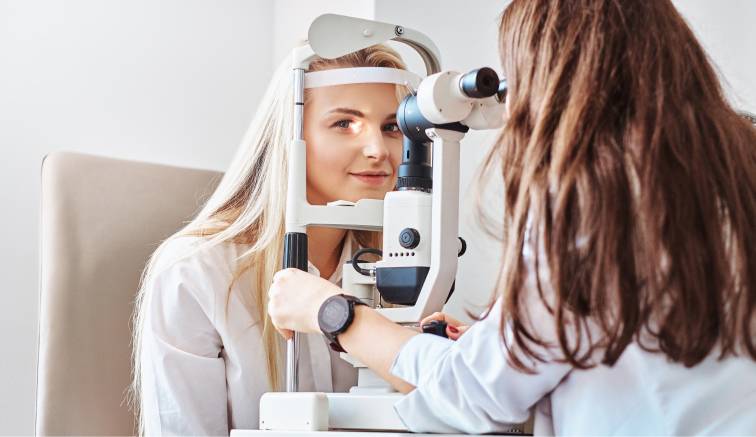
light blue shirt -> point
(468, 386)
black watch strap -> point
(331, 332)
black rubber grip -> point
(435, 327)
(295, 251)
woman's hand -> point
(454, 328)
(294, 300)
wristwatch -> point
(335, 316)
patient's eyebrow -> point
(349, 111)
(356, 113)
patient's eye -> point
(343, 124)
(391, 128)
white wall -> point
(293, 18)
(727, 30)
(173, 81)
(176, 82)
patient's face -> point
(353, 142)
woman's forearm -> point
(294, 299)
(375, 341)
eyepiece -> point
(480, 83)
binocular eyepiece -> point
(480, 83)
(447, 97)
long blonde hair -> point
(248, 207)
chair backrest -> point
(101, 218)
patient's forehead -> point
(370, 98)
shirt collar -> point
(346, 254)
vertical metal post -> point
(299, 84)
(292, 345)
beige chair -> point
(100, 220)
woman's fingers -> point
(454, 328)
(294, 299)
(443, 317)
(434, 316)
(454, 332)
(284, 274)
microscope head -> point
(446, 106)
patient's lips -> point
(371, 177)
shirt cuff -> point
(420, 354)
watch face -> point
(335, 314)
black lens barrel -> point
(480, 83)
(415, 172)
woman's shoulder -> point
(195, 252)
(181, 294)
(191, 263)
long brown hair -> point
(637, 178)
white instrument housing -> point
(401, 210)
(441, 100)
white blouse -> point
(467, 386)
(204, 369)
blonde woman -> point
(204, 347)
